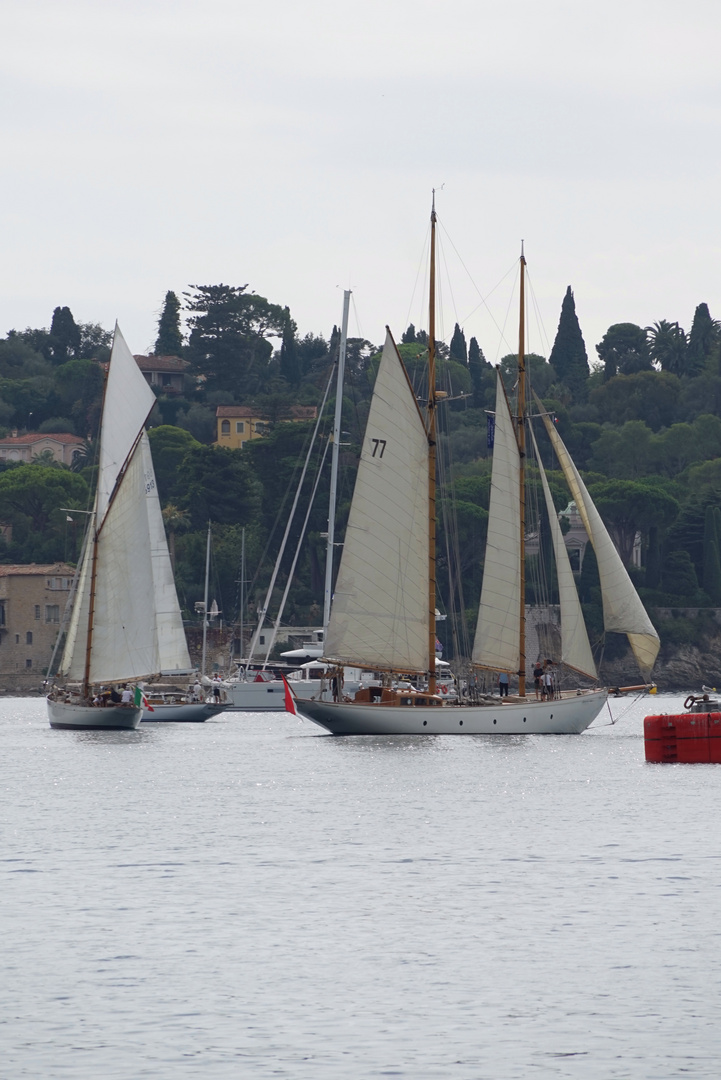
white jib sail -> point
(170, 635)
(623, 611)
(497, 641)
(127, 403)
(379, 616)
(575, 646)
(72, 665)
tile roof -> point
(246, 412)
(38, 436)
(36, 569)
(162, 363)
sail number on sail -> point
(379, 446)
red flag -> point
(289, 698)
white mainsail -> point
(623, 611)
(575, 646)
(126, 406)
(379, 617)
(497, 641)
(137, 628)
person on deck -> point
(538, 679)
(503, 684)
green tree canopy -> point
(229, 331)
(218, 484)
(169, 445)
(628, 507)
(624, 350)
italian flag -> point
(140, 700)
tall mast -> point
(205, 603)
(334, 462)
(432, 459)
(521, 436)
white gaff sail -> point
(497, 640)
(575, 646)
(623, 611)
(379, 617)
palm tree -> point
(176, 520)
(667, 343)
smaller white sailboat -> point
(126, 624)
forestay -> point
(575, 646)
(497, 641)
(379, 616)
(623, 611)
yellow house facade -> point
(236, 424)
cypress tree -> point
(170, 340)
(568, 355)
(711, 563)
(289, 362)
(702, 341)
(410, 335)
(458, 346)
(64, 341)
(477, 364)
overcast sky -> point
(152, 144)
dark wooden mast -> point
(432, 460)
(521, 437)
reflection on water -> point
(250, 898)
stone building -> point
(62, 446)
(164, 373)
(32, 603)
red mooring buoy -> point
(689, 738)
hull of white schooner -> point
(568, 715)
(82, 717)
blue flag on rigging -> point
(491, 433)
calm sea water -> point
(251, 898)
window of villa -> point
(52, 613)
(239, 427)
(225, 427)
(37, 611)
(28, 663)
(29, 638)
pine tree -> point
(711, 563)
(289, 362)
(458, 346)
(477, 365)
(170, 340)
(568, 355)
(702, 341)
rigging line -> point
(543, 336)
(421, 263)
(263, 611)
(281, 509)
(483, 299)
(291, 572)
(444, 262)
(505, 321)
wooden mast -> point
(521, 437)
(432, 459)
